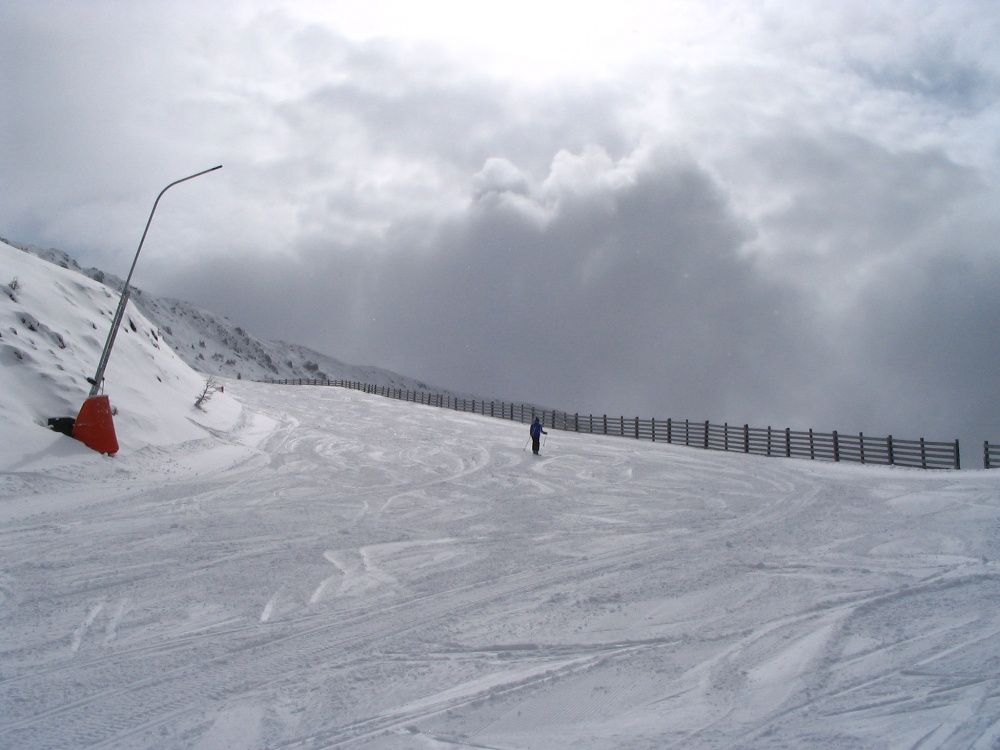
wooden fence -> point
(991, 455)
(761, 441)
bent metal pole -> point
(95, 383)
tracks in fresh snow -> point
(379, 573)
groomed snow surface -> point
(309, 567)
(342, 570)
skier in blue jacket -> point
(536, 433)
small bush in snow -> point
(212, 386)
(11, 289)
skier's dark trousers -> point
(536, 433)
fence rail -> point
(761, 441)
(991, 455)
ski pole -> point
(525, 446)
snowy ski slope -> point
(341, 570)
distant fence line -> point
(761, 441)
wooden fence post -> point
(652, 425)
(746, 438)
(706, 434)
(888, 447)
(861, 445)
(836, 446)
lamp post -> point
(95, 383)
(94, 426)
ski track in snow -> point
(342, 570)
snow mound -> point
(53, 325)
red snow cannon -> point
(94, 426)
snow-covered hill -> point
(53, 325)
(212, 344)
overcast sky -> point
(778, 212)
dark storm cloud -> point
(899, 256)
(926, 323)
(609, 285)
(931, 341)
(618, 286)
(844, 203)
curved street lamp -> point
(95, 382)
(94, 426)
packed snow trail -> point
(342, 570)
